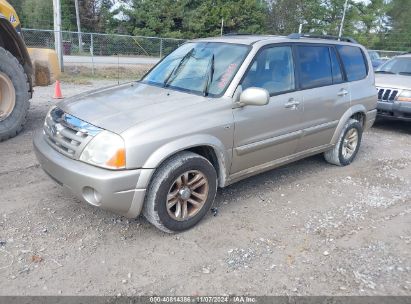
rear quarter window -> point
(354, 62)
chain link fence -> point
(90, 53)
(96, 44)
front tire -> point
(181, 192)
(348, 144)
(14, 95)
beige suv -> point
(211, 113)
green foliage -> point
(400, 19)
(375, 23)
(35, 13)
(189, 19)
(68, 15)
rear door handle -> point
(292, 104)
(342, 92)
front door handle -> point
(292, 104)
(342, 92)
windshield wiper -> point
(404, 73)
(177, 68)
(384, 72)
(210, 75)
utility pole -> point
(80, 41)
(222, 27)
(343, 19)
(57, 32)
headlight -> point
(404, 96)
(106, 150)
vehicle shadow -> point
(393, 125)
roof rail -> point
(298, 36)
(237, 34)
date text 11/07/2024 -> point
(203, 299)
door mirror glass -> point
(254, 97)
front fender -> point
(181, 144)
(359, 108)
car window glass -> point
(336, 68)
(354, 63)
(315, 66)
(272, 69)
(400, 65)
(194, 61)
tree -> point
(94, 14)
(399, 35)
(36, 14)
(194, 18)
(68, 15)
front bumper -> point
(400, 110)
(121, 192)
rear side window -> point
(354, 62)
(315, 66)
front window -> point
(200, 67)
(399, 65)
(273, 70)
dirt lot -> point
(305, 229)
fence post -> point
(161, 48)
(92, 53)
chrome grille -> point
(387, 95)
(67, 134)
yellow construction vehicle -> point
(16, 72)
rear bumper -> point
(121, 192)
(399, 110)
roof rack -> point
(237, 34)
(298, 36)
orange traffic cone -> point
(57, 91)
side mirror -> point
(254, 97)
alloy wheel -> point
(350, 143)
(187, 195)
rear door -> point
(359, 76)
(325, 93)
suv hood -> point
(118, 108)
(393, 81)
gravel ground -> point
(308, 228)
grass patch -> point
(83, 75)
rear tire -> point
(181, 192)
(347, 146)
(12, 119)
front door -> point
(267, 133)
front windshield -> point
(400, 66)
(199, 67)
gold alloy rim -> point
(187, 195)
(350, 143)
(7, 96)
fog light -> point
(92, 196)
